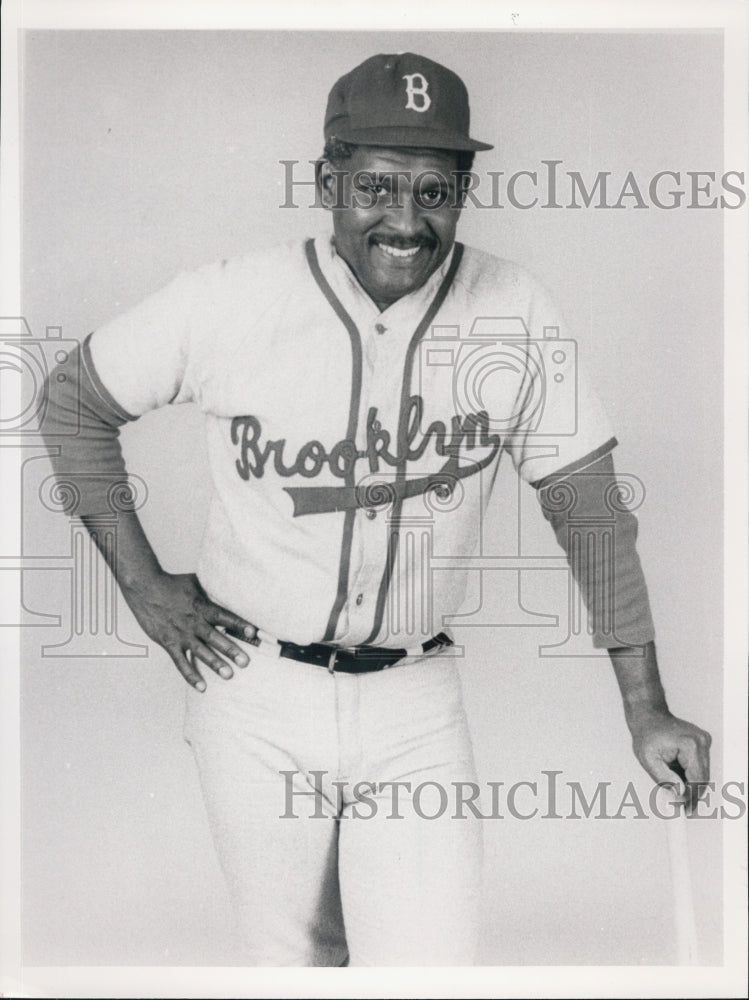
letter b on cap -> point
(416, 91)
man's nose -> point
(404, 214)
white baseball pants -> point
(334, 801)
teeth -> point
(394, 252)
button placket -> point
(385, 339)
(384, 355)
(372, 556)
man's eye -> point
(432, 197)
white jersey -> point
(351, 448)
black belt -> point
(357, 659)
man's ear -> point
(327, 179)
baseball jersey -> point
(354, 452)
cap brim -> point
(416, 138)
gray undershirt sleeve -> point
(81, 431)
(598, 535)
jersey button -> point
(371, 514)
(380, 327)
(359, 598)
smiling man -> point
(397, 215)
(358, 395)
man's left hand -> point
(669, 749)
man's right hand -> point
(175, 611)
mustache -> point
(402, 242)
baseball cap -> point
(401, 100)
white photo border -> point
(728, 980)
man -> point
(358, 396)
